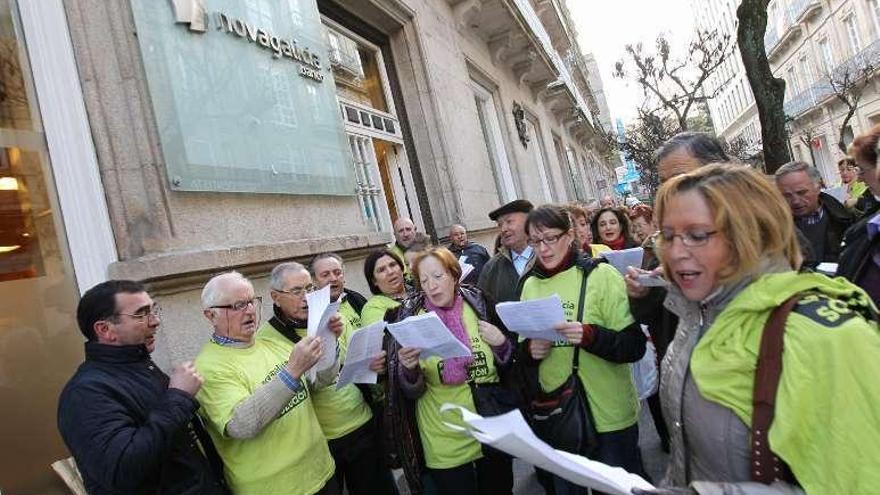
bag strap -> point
(766, 466)
(575, 360)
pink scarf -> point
(454, 371)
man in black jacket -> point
(501, 275)
(820, 217)
(475, 254)
(131, 428)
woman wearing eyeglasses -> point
(759, 400)
(384, 273)
(418, 386)
(605, 337)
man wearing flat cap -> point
(501, 274)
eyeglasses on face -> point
(548, 240)
(154, 311)
(689, 238)
(298, 291)
(241, 305)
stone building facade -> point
(443, 109)
(807, 43)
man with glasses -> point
(344, 415)
(130, 427)
(328, 269)
(255, 400)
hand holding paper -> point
(320, 312)
(535, 319)
(363, 347)
(428, 333)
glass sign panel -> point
(243, 96)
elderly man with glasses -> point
(130, 427)
(256, 401)
(344, 415)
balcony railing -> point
(821, 89)
(808, 98)
(868, 56)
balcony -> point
(778, 37)
(867, 57)
(821, 89)
(808, 99)
(803, 10)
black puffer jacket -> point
(130, 433)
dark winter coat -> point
(476, 256)
(129, 432)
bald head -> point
(404, 231)
(458, 235)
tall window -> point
(793, 81)
(806, 70)
(852, 33)
(486, 111)
(826, 54)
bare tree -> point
(676, 92)
(848, 83)
(768, 89)
(676, 85)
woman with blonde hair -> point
(744, 416)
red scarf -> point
(616, 244)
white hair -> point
(214, 289)
(276, 279)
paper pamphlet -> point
(429, 334)
(533, 319)
(466, 269)
(829, 269)
(838, 192)
(511, 434)
(320, 312)
(624, 258)
(364, 345)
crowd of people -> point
(768, 362)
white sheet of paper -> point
(511, 434)
(364, 345)
(466, 269)
(533, 319)
(839, 192)
(428, 333)
(827, 268)
(320, 312)
(624, 258)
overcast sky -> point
(606, 27)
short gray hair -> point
(792, 167)
(213, 290)
(276, 279)
(324, 256)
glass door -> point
(40, 345)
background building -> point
(152, 140)
(808, 42)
